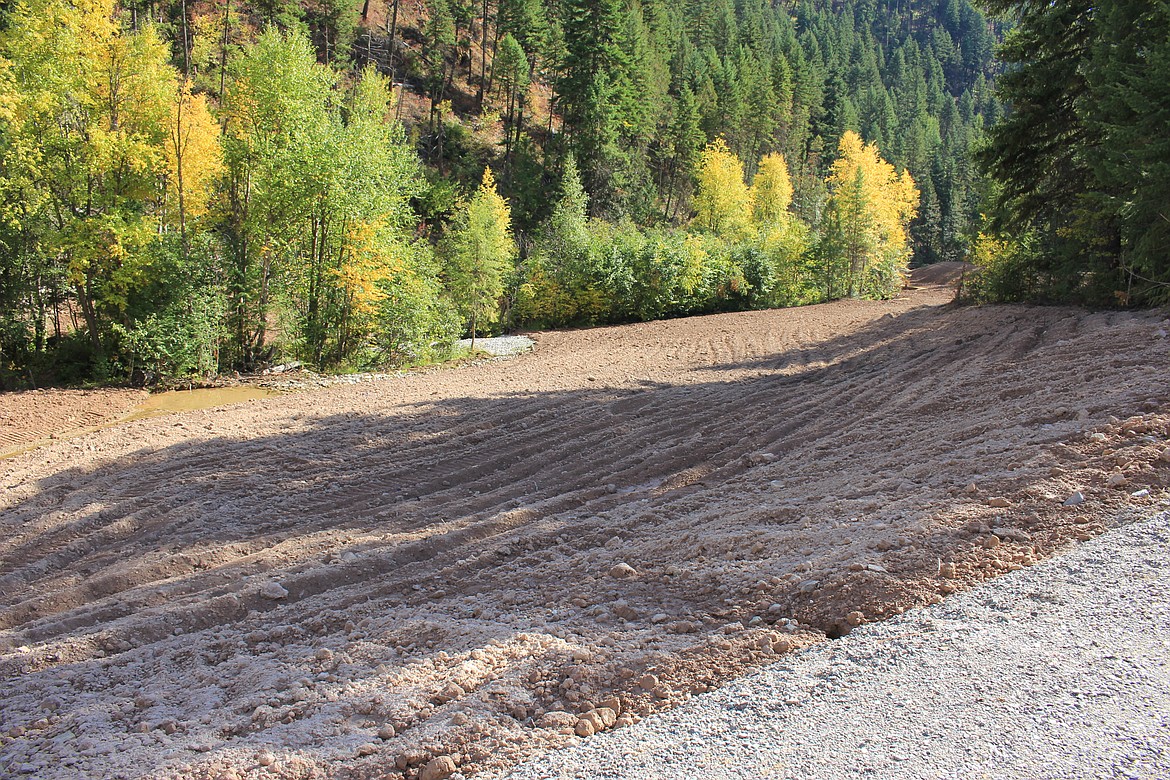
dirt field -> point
(366, 581)
(34, 418)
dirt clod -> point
(273, 590)
(623, 571)
(438, 768)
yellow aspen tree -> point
(371, 257)
(871, 206)
(723, 204)
(194, 155)
(86, 132)
(771, 191)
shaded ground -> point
(352, 581)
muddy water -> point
(190, 400)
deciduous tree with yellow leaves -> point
(771, 191)
(723, 204)
(865, 247)
(194, 156)
(84, 141)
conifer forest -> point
(189, 187)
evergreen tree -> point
(589, 82)
(482, 251)
(511, 67)
(1128, 109)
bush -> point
(1004, 271)
(181, 341)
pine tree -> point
(591, 82)
(482, 252)
(1081, 160)
(511, 67)
(1128, 108)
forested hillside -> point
(195, 186)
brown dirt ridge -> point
(448, 572)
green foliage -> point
(307, 227)
(481, 252)
(83, 134)
(176, 315)
(778, 267)
(1082, 160)
(320, 196)
(1004, 270)
(414, 321)
(123, 216)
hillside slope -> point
(335, 583)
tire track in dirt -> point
(34, 417)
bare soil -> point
(30, 419)
(354, 581)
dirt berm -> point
(442, 572)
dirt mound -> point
(363, 581)
(940, 274)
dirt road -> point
(369, 580)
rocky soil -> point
(1060, 671)
(446, 572)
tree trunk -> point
(510, 124)
(495, 47)
(223, 48)
(179, 174)
(520, 101)
(391, 31)
(262, 303)
(42, 313)
(669, 186)
(85, 298)
(479, 97)
(186, 42)
(314, 273)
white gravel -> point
(500, 346)
(1057, 671)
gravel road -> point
(1061, 670)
